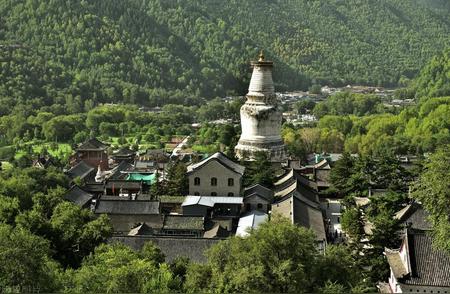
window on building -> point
(231, 194)
(213, 193)
(213, 181)
(339, 220)
(196, 193)
(197, 181)
(260, 206)
(230, 182)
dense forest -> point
(82, 53)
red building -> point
(94, 153)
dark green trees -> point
(433, 190)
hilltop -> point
(161, 51)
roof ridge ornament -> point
(261, 56)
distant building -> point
(212, 206)
(303, 212)
(82, 171)
(124, 154)
(79, 197)
(94, 153)
(172, 247)
(125, 214)
(258, 197)
(216, 175)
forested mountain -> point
(434, 79)
(152, 52)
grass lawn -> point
(63, 149)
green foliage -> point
(25, 262)
(352, 223)
(32, 199)
(117, 268)
(432, 189)
(434, 79)
(265, 262)
(346, 103)
(339, 266)
(177, 182)
(246, 265)
(70, 56)
(259, 171)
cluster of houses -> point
(216, 207)
(219, 206)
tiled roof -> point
(117, 171)
(78, 196)
(303, 212)
(130, 207)
(414, 216)
(92, 144)
(220, 157)
(142, 229)
(171, 199)
(123, 184)
(430, 266)
(192, 248)
(124, 152)
(285, 177)
(260, 191)
(395, 262)
(81, 170)
(183, 222)
(210, 201)
(250, 220)
(287, 191)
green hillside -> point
(434, 79)
(80, 53)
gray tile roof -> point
(183, 222)
(430, 266)
(210, 201)
(123, 184)
(142, 229)
(221, 158)
(172, 247)
(259, 190)
(117, 171)
(81, 170)
(303, 212)
(92, 144)
(78, 196)
(129, 207)
(414, 216)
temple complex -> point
(261, 117)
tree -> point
(177, 182)
(259, 171)
(352, 223)
(75, 232)
(116, 268)
(341, 172)
(432, 189)
(25, 263)
(261, 262)
(339, 265)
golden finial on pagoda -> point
(261, 56)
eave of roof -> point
(220, 158)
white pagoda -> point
(261, 117)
